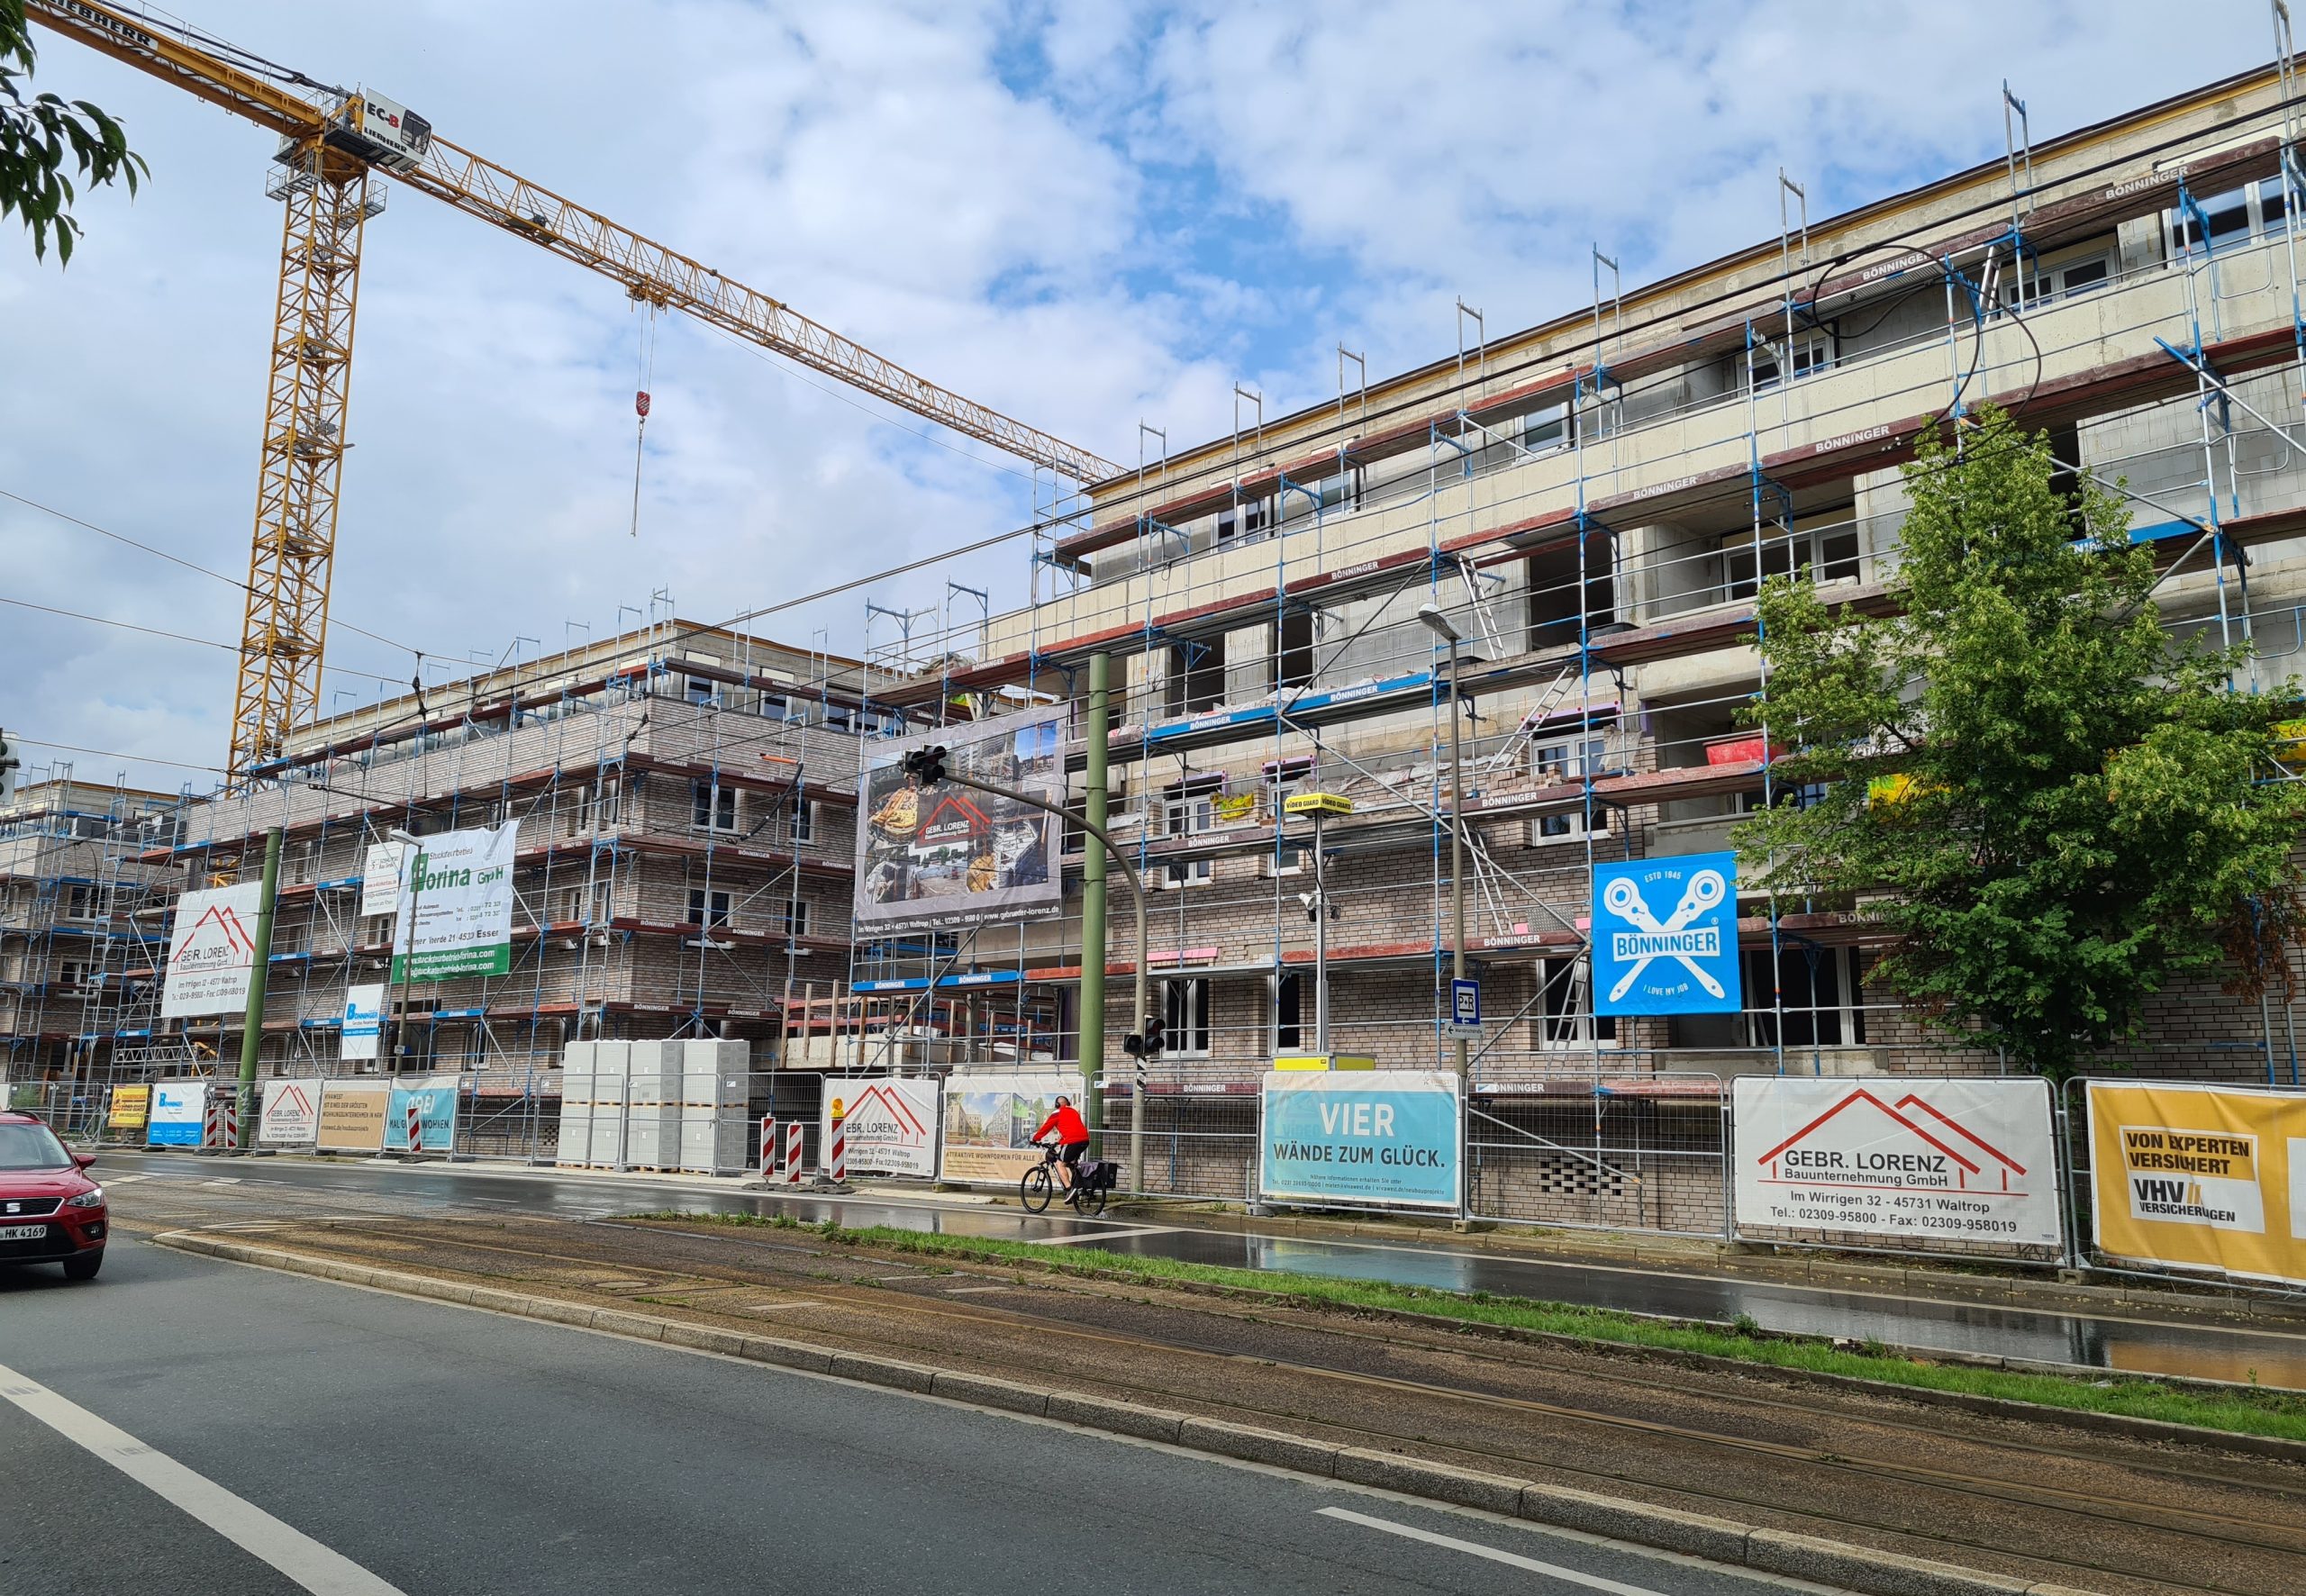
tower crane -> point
(332, 142)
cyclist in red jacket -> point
(1072, 1139)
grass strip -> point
(2250, 1411)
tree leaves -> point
(2088, 810)
(46, 143)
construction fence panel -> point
(1199, 1139)
(2228, 1210)
(1645, 1154)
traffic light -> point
(8, 764)
(1145, 1044)
(926, 766)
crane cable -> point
(640, 408)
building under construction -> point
(1589, 504)
(84, 931)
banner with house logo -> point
(212, 951)
(292, 1114)
(1665, 936)
(1943, 1164)
(950, 857)
(461, 903)
(889, 1123)
(2201, 1177)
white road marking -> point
(962, 1291)
(1592, 1581)
(296, 1555)
(121, 1180)
(1102, 1236)
(779, 1307)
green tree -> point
(2050, 806)
(45, 142)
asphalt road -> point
(2112, 1341)
(283, 1435)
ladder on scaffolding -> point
(1478, 586)
(1539, 713)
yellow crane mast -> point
(332, 140)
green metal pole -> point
(1093, 900)
(253, 1026)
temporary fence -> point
(2186, 1181)
(1643, 1154)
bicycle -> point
(1039, 1185)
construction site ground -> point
(2014, 1317)
(2033, 1501)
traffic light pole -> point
(1094, 1069)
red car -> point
(50, 1212)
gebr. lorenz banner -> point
(2200, 1178)
(1665, 936)
(949, 856)
(212, 951)
(888, 1123)
(1941, 1162)
(990, 1120)
(292, 1114)
(1384, 1138)
(462, 905)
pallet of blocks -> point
(652, 1136)
(592, 1123)
(716, 1128)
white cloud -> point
(1080, 213)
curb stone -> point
(1720, 1540)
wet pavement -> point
(2124, 1342)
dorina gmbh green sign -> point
(459, 887)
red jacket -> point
(1070, 1126)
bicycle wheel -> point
(1090, 1203)
(1034, 1189)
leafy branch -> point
(48, 144)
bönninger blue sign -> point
(1665, 936)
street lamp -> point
(407, 956)
(1439, 625)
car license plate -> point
(23, 1232)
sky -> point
(1086, 216)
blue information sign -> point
(1665, 936)
(1465, 1002)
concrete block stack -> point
(715, 1128)
(595, 1083)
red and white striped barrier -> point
(767, 1146)
(220, 1121)
(837, 1155)
(795, 1153)
(416, 1127)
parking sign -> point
(1465, 1009)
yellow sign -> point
(1317, 803)
(2201, 1177)
(1227, 810)
(130, 1106)
(1323, 1061)
(352, 1117)
(2290, 738)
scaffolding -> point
(1594, 505)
